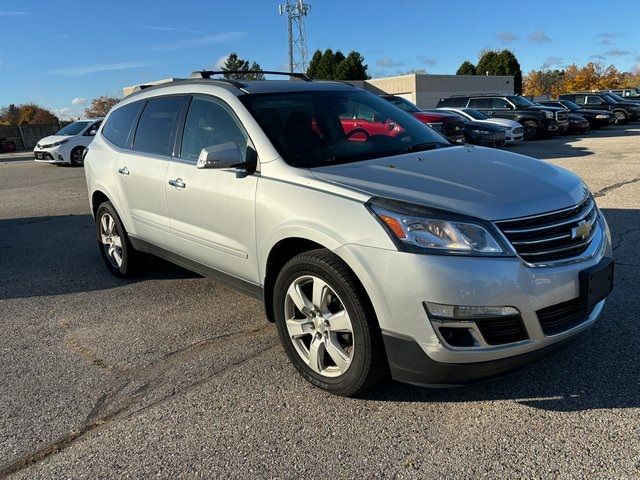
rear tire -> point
(118, 254)
(326, 324)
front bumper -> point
(398, 283)
(50, 155)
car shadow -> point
(56, 255)
(599, 371)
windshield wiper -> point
(420, 147)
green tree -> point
(351, 68)
(233, 63)
(312, 69)
(100, 106)
(335, 66)
(493, 62)
(467, 68)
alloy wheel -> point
(319, 326)
(111, 240)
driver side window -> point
(210, 123)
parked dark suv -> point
(596, 118)
(623, 111)
(537, 120)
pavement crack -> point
(606, 190)
(619, 237)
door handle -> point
(178, 183)
(123, 171)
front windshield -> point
(73, 128)
(311, 129)
(616, 97)
(476, 114)
(570, 105)
(608, 98)
(520, 101)
(403, 104)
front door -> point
(212, 210)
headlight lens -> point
(548, 114)
(51, 145)
(601, 117)
(423, 230)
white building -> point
(425, 90)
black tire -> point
(531, 129)
(621, 117)
(131, 259)
(368, 362)
(76, 157)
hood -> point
(503, 122)
(481, 182)
(483, 125)
(437, 116)
(53, 139)
(588, 111)
(541, 108)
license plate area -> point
(596, 283)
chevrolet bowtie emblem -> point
(582, 231)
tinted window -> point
(155, 128)
(209, 123)
(500, 103)
(579, 99)
(93, 128)
(120, 122)
(480, 102)
(591, 100)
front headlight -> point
(423, 230)
(482, 132)
(601, 116)
(548, 114)
(56, 144)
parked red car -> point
(448, 124)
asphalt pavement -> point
(172, 375)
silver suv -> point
(377, 245)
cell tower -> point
(296, 11)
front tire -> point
(531, 129)
(118, 254)
(326, 324)
(76, 157)
(621, 117)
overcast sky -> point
(63, 53)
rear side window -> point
(209, 123)
(156, 126)
(591, 100)
(453, 102)
(500, 103)
(119, 124)
(480, 103)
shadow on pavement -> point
(601, 370)
(57, 255)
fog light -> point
(461, 312)
(457, 337)
(60, 157)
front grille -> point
(502, 330)
(553, 236)
(562, 116)
(43, 156)
(518, 130)
(563, 316)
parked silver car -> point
(394, 251)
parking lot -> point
(175, 375)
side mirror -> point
(92, 133)
(224, 155)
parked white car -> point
(67, 145)
(514, 132)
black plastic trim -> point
(410, 364)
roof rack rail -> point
(209, 73)
(482, 94)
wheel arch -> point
(100, 195)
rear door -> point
(142, 170)
(212, 210)
(484, 104)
